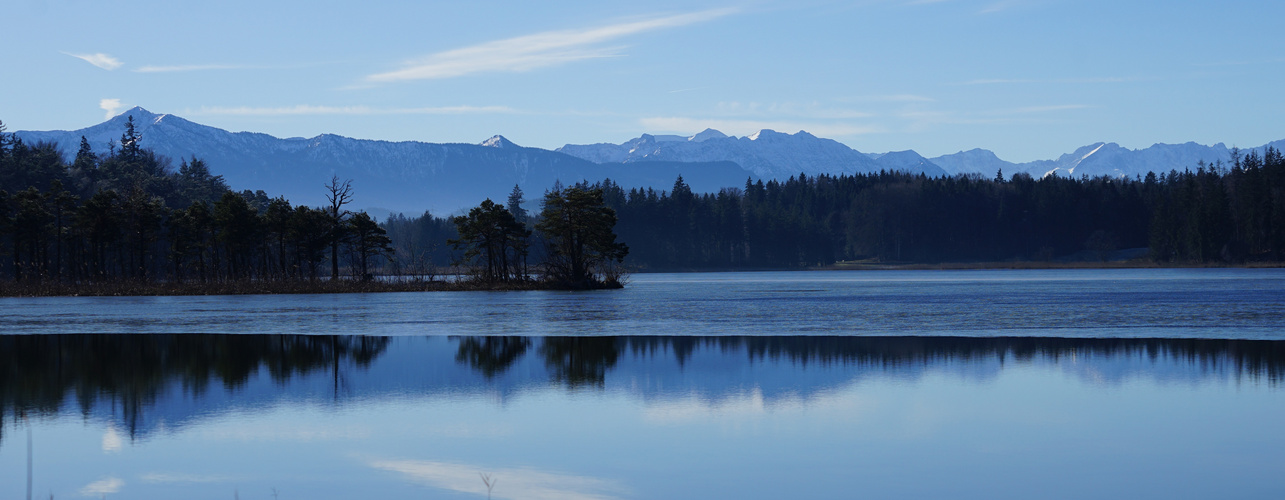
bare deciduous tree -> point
(338, 194)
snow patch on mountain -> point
(767, 154)
(498, 141)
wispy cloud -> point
(523, 483)
(888, 98)
(1003, 81)
(189, 67)
(1039, 109)
(102, 486)
(111, 106)
(685, 125)
(100, 59)
(159, 477)
(349, 110)
(807, 111)
(540, 50)
(1001, 5)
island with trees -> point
(125, 223)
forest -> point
(130, 215)
(1224, 213)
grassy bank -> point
(144, 288)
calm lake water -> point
(971, 384)
(1170, 303)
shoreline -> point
(1036, 265)
(155, 289)
(963, 266)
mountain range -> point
(413, 176)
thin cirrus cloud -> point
(103, 487)
(540, 50)
(160, 478)
(99, 59)
(350, 110)
(685, 125)
(1042, 109)
(188, 67)
(515, 483)
(1003, 81)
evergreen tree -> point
(515, 205)
(492, 239)
(369, 240)
(579, 230)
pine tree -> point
(369, 240)
(579, 230)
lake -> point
(914, 384)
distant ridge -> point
(412, 176)
(407, 176)
(767, 154)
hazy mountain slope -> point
(1098, 159)
(767, 154)
(400, 176)
(413, 176)
(908, 161)
(974, 161)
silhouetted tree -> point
(368, 240)
(493, 240)
(579, 230)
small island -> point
(126, 224)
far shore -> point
(325, 286)
(1124, 264)
(269, 287)
(953, 266)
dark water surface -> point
(1169, 303)
(1018, 384)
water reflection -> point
(145, 382)
(127, 374)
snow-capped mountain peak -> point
(766, 154)
(498, 141)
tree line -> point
(1233, 212)
(127, 215)
(1223, 212)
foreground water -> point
(1019, 384)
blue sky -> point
(1028, 79)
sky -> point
(1027, 79)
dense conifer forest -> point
(1232, 213)
(129, 215)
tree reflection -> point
(39, 372)
(580, 361)
(491, 356)
(135, 374)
